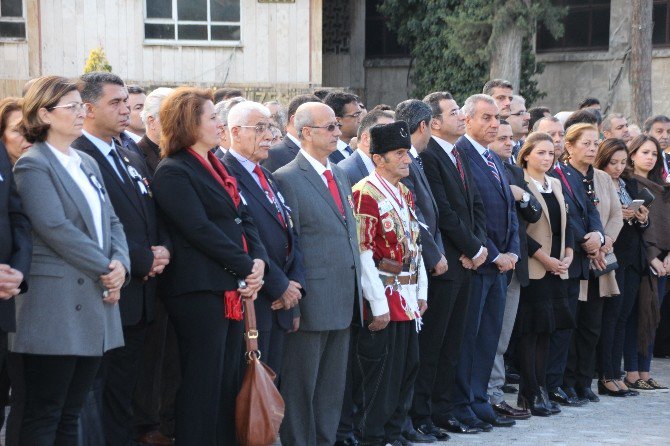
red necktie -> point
(459, 165)
(268, 192)
(332, 187)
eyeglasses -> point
(520, 113)
(73, 106)
(353, 115)
(260, 128)
(329, 127)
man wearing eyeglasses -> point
(518, 119)
(315, 356)
(250, 135)
(349, 116)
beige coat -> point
(611, 217)
(541, 230)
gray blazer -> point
(329, 245)
(355, 167)
(63, 313)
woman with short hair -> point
(10, 135)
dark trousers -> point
(4, 376)
(533, 352)
(440, 342)
(634, 361)
(480, 342)
(580, 368)
(210, 351)
(345, 430)
(559, 343)
(271, 345)
(153, 404)
(313, 380)
(387, 362)
(121, 371)
(56, 387)
(18, 400)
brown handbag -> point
(259, 408)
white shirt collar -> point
(295, 140)
(341, 146)
(446, 145)
(246, 163)
(316, 164)
(480, 148)
(133, 136)
(104, 147)
(69, 159)
(367, 161)
(413, 151)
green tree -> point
(97, 61)
(455, 42)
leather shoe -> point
(587, 393)
(506, 410)
(499, 421)
(563, 398)
(508, 388)
(451, 424)
(415, 436)
(478, 424)
(351, 441)
(155, 438)
(431, 429)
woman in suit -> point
(218, 259)
(543, 303)
(629, 250)
(69, 317)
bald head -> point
(317, 129)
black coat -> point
(152, 153)
(205, 227)
(462, 220)
(137, 213)
(629, 246)
(16, 244)
(529, 214)
(281, 245)
(281, 154)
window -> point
(12, 21)
(380, 42)
(587, 28)
(661, 18)
(188, 21)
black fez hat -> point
(386, 138)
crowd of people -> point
(409, 265)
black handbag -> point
(612, 264)
(646, 195)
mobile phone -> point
(635, 205)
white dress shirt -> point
(295, 140)
(447, 147)
(342, 147)
(106, 150)
(316, 164)
(72, 164)
(248, 165)
(133, 136)
(369, 165)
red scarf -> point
(232, 298)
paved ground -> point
(642, 420)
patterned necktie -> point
(334, 192)
(491, 164)
(348, 150)
(268, 192)
(459, 165)
(120, 169)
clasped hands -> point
(290, 297)
(254, 281)
(10, 281)
(113, 281)
(161, 260)
(475, 263)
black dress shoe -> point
(508, 388)
(587, 393)
(603, 390)
(552, 406)
(431, 429)
(506, 410)
(476, 423)
(417, 437)
(451, 424)
(499, 421)
(348, 442)
(563, 398)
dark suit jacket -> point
(281, 244)
(281, 154)
(16, 244)
(629, 246)
(529, 214)
(584, 217)
(137, 213)
(462, 221)
(354, 167)
(336, 157)
(205, 227)
(427, 212)
(152, 153)
(501, 222)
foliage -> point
(451, 40)
(97, 61)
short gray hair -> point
(223, 108)
(472, 101)
(607, 122)
(518, 98)
(303, 118)
(413, 112)
(153, 102)
(239, 114)
(545, 119)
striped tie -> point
(491, 164)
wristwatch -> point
(525, 199)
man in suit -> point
(125, 180)
(349, 115)
(284, 152)
(284, 278)
(487, 295)
(554, 128)
(528, 210)
(360, 165)
(518, 119)
(149, 144)
(222, 109)
(357, 166)
(502, 92)
(463, 231)
(315, 357)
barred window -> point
(12, 20)
(587, 28)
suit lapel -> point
(536, 192)
(361, 164)
(316, 182)
(486, 170)
(72, 189)
(106, 227)
(291, 145)
(424, 181)
(451, 167)
(200, 172)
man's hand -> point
(161, 260)
(517, 192)
(479, 261)
(379, 322)
(504, 263)
(112, 297)
(591, 242)
(466, 262)
(10, 281)
(423, 306)
(658, 266)
(441, 267)
(114, 280)
(666, 263)
(255, 279)
(291, 296)
(296, 325)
